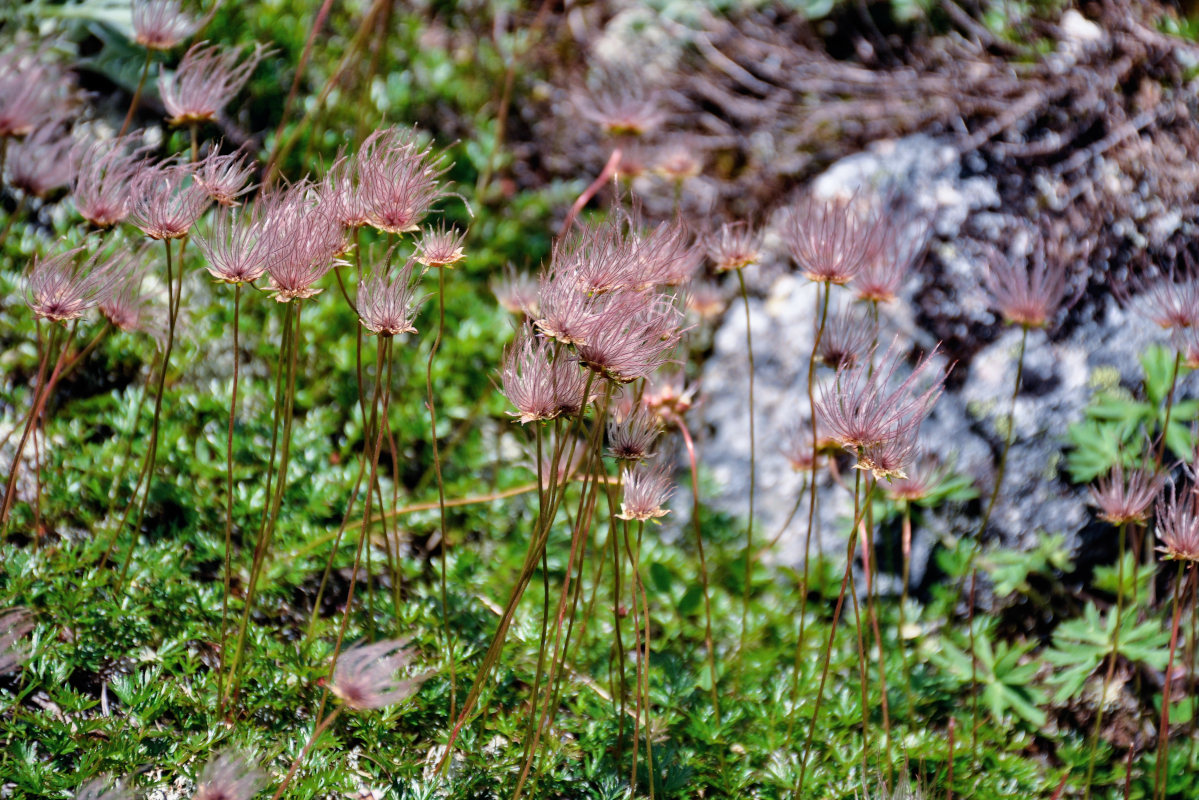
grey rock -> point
(1062, 370)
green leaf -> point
(661, 577)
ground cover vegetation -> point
(349, 393)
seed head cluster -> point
(365, 676)
(874, 415)
(207, 79)
(388, 300)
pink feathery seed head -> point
(632, 336)
(225, 177)
(388, 300)
(1027, 291)
(43, 161)
(1178, 526)
(621, 105)
(865, 409)
(646, 490)
(166, 200)
(706, 301)
(399, 179)
(1126, 496)
(903, 239)
(516, 292)
(104, 177)
(632, 436)
(665, 256)
(15, 625)
(1185, 341)
(669, 395)
(33, 92)
(679, 159)
(797, 447)
(1170, 299)
(593, 258)
(310, 241)
(440, 247)
(229, 776)
(831, 240)
(206, 80)
(126, 306)
(924, 473)
(103, 789)
(342, 189)
(540, 386)
(66, 286)
(365, 677)
(237, 243)
(162, 24)
(847, 337)
(735, 246)
(564, 311)
(889, 458)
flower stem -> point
(1111, 664)
(151, 458)
(1163, 729)
(703, 565)
(316, 732)
(447, 634)
(753, 463)
(229, 500)
(807, 548)
(137, 94)
(832, 633)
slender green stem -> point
(447, 633)
(822, 317)
(536, 543)
(581, 528)
(8, 223)
(1111, 664)
(229, 500)
(35, 406)
(1161, 447)
(385, 344)
(851, 548)
(703, 565)
(903, 604)
(753, 466)
(151, 458)
(276, 473)
(137, 94)
(1163, 729)
(126, 459)
(316, 732)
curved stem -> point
(137, 94)
(753, 465)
